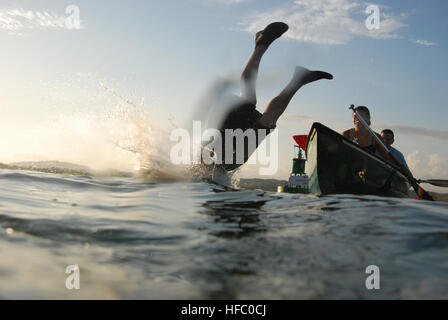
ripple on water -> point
(134, 239)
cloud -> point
(427, 166)
(326, 21)
(419, 131)
(425, 43)
(15, 20)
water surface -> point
(195, 240)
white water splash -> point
(85, 122)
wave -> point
(60, 167)
(162, 173)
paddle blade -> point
(301, 141)
(438, 183)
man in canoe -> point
(245, 116)
(360, 134)
(388, 137)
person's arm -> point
(404, 170)
(403, 160)
(393, 159)
(348, 134)
(383, 152)
(400, 158)
(378, 146)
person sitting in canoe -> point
(245, 116)
(388, 137)
(360, 134)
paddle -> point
(414, 183)
(438, 183)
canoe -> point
(336, 165)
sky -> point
(61, 87)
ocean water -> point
(136, 239)
(161, 232)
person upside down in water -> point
(245, 116)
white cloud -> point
(428, 166)
(326, 21)
(425, 43)
(16, 20)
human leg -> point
(249, 75)
(277, 106)
(262, 41)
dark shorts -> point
(243, 116)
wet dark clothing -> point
(244, 116)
